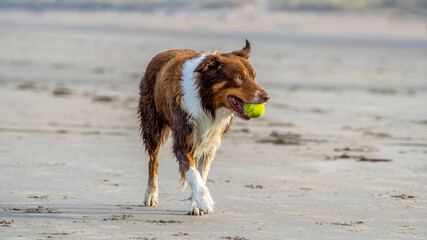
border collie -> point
(194, 96)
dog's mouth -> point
(237, 105)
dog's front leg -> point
(201, 201)
(204, 164)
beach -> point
(340, 152)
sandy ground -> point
(339, 154)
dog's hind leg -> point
(151, 193)
(154, 133)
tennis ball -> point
(254, 110)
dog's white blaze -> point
(256, 98)
(190, 89)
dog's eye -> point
(240, 78)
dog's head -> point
(228, 80)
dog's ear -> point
(245, 52)
(209, 63)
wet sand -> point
(339, 154)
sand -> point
(339, 154)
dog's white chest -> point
(207, 132)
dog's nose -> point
(264, 97)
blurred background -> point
(339, 153)
(366, 42)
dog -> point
(195, 96)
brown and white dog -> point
(194, 95)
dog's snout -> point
(264, 97)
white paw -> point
(203, 199)
(194, 210)
(151, 197)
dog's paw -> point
(203, 199)
(151, 197)
(194, 210)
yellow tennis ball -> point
(254, 110)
